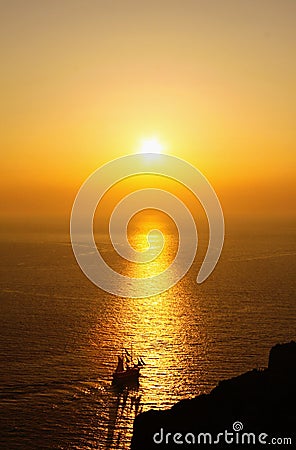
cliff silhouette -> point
(260, 401)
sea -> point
(60, 334)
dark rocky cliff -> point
(262, 401)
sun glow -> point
(151, 146)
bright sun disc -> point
(151, 146)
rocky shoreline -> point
(255, 408)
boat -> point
(127, 372)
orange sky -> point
(85, 81)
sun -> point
(151, 145)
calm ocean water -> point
(60, 337)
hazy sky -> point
(85, 81)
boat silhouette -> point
(127, 372)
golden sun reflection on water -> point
(165, 330)
(172, 345)
(158, 326)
